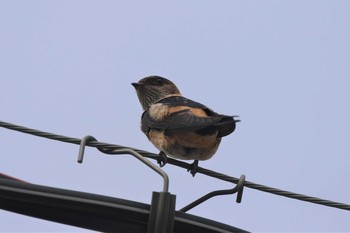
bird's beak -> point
(136, 85)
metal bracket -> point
(237, 189)
(162, 211)
(137, 155)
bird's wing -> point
(191, 116)
(177, 100)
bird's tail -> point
(227, 125)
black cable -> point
(178, 163)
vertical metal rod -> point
(162, 213)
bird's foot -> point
(162, 160)
(193, 168)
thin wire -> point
(178, 163)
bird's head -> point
(153, 88)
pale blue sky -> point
(283, 66)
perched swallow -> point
(177, 126)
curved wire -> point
(237, 189)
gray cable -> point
(178, 163)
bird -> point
(177, 126)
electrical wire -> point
(204, 171)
